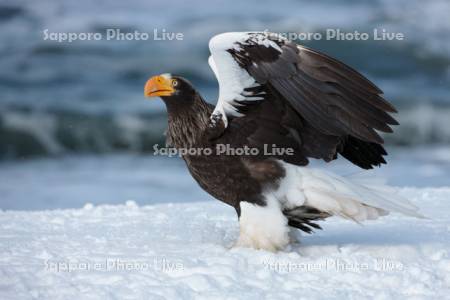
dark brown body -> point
(245, 180)
(297, 99)
(236, 178)
(246, 176)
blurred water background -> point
(81, 103)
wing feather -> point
(331, 98)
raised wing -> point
(236, 85)
(332, 99)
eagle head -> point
(169, 87)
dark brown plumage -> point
(189, 127)
(307, 102)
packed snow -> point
(184, 251)
(175, 242)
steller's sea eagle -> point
(276, 94)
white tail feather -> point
(355, 197)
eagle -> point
(280, 104)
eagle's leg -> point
(263, 226)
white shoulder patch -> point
(233, 80)
(227, 40)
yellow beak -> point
(158, 86)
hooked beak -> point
(158, 86)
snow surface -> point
(182, 251)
